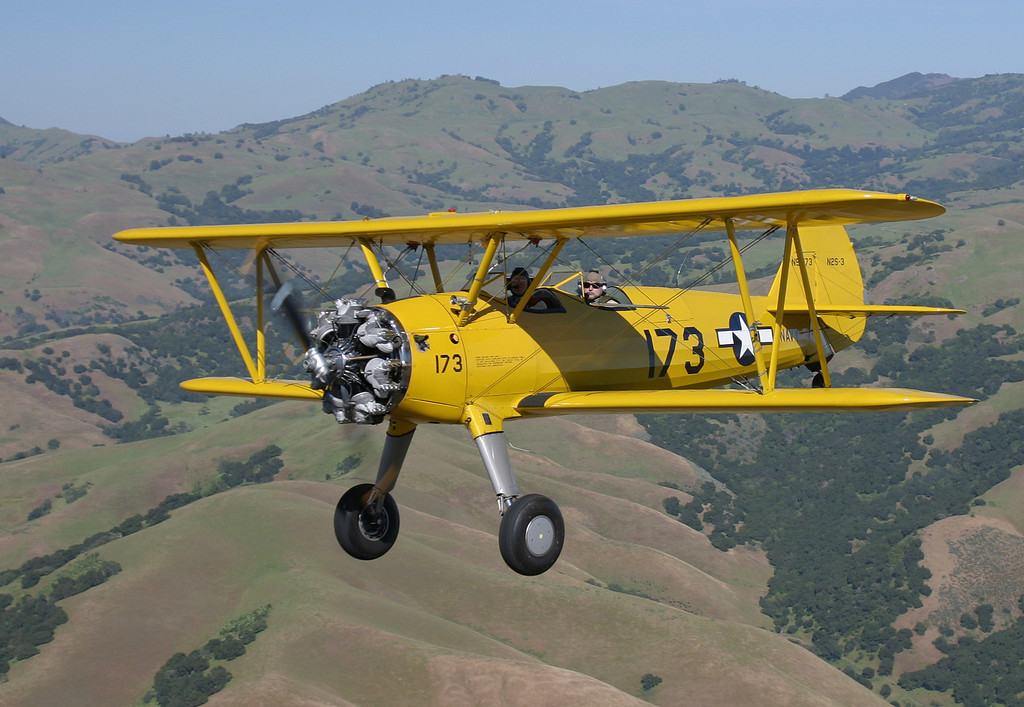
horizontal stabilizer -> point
(292, 390)
(735, 401)
(868, 310)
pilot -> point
(517, 284)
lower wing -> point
(725, 400)
(291, 390)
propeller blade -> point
(286, 301)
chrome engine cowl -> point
(361, 359)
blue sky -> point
(125, 70)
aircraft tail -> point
(836, 284)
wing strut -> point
(229, 317)
(435, 272)
(793, 250)
(467, 305)
(257, 368)
(748, 307)
(263, 261)
(819, 342)
(525, 299)
(261, 342)
(773, 364)
(383, 289)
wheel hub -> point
(373, 524)
(540, 535)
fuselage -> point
(673, 339)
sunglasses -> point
(593, 284)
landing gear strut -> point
(532, 530)
(366, 517)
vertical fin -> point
(835, 278)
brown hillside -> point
(437, 608)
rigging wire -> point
(711, 271)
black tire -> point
(531, 535)
(362, 533)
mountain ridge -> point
(901, 87)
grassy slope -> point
(438, 610)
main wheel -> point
(531, 534)
(364, 531)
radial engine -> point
(360, 357)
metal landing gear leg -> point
(532, 530)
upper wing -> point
(818, 207)
(729, 400)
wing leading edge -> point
(734, 401)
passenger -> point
(594, 286)
(595, 289)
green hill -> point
(95, 337)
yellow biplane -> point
(479, 356)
